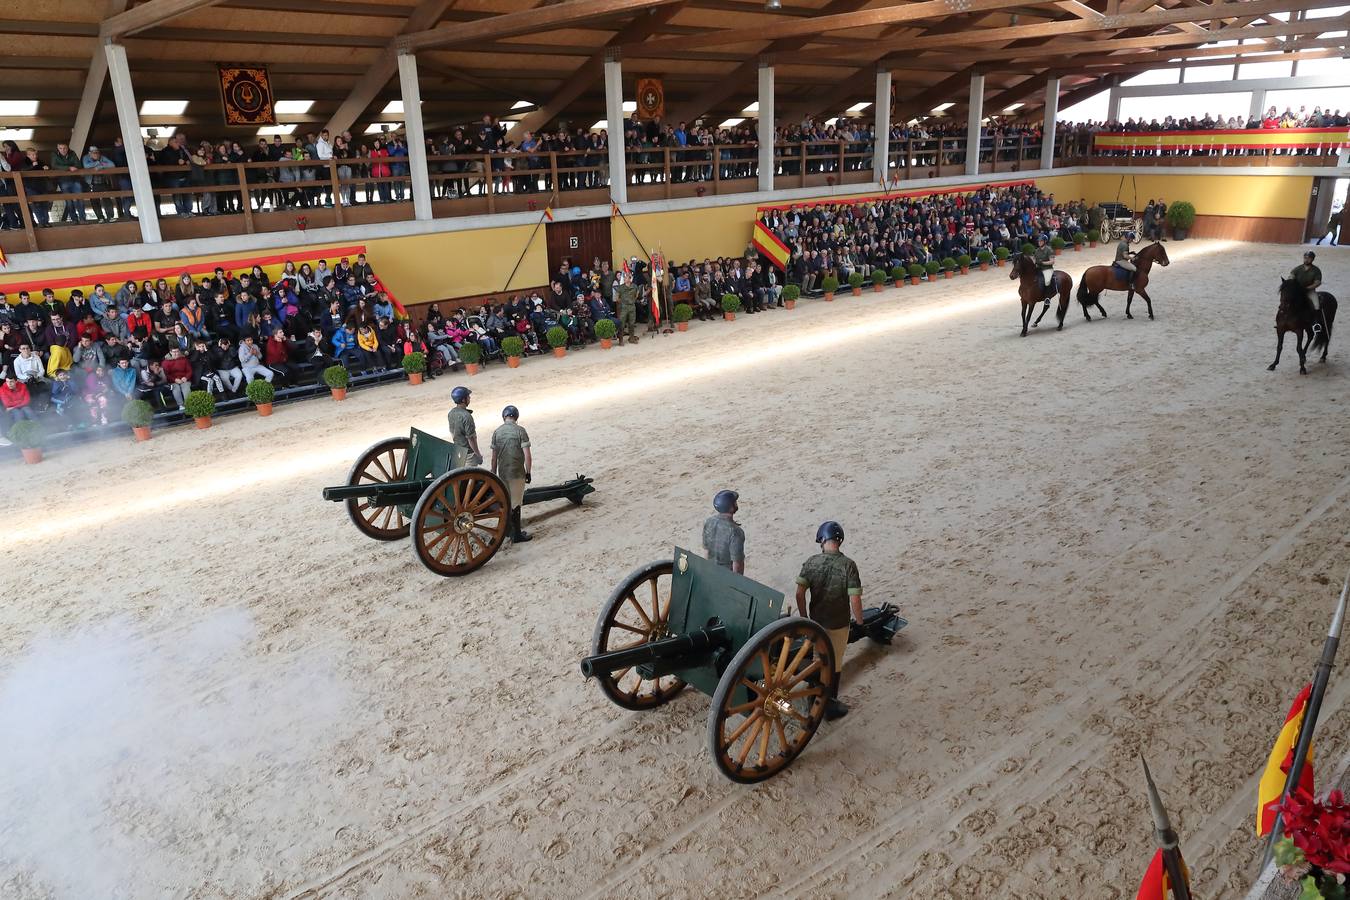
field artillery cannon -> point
(458, 515)
(687, 621)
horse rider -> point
(1045, 264)
(463, 432)
(1125, 257)
(512, 462)
(723, 537)
(836, 600)
(1309, 277)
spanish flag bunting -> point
(3, 261)
(1156, 885)
(1277, 767)
(768, 243)
(548, 213)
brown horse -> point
(1296, 314)
(1108, 278)
(1024, 267)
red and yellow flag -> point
(548, 213)
(3, 261)
(1156, 885)
(769, 244)
(1277, 767)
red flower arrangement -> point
(301, 222)
(1321, 830)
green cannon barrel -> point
(678, 647)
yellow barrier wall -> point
(1254, 196)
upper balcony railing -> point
(47, 210)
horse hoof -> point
(1271, 367)
(1060, 328)
(1150, 317)
(1024, 334)
(1302, 371)
(1128, 316)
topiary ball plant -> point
(1002, 252)
(260, 391)
(513, 346)
(1079, 238)
(605, 329)
(1057, 243)
(556, 337)
(682, 312)
(1094, 235)
(878, 276)
(829, 284)
(138, 413)
(1181, 214)
(963, 260)
(731, 303)
(470, 353)
(1029, 248)
(985, 256)
(855, 279)
(415, 363)
(336, 377)
(897, 273)
(932, 267)
(200, 404)
(28, 434)
(790, 292)
(915, 270)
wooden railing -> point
(250, 197)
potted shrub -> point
(1079, 239)
(1057, 244)
(415, 364)
(948, 266)
(682, 313)
(829, 284)
(337, 378)
(931, 269)
(964, 262)
(471, 355)
(878, 279)
(985, 258)
(791, 292)
(855, 280)
(1094, 235)
(915, 273)
(557, 339)
(200, 405)
(30, 436)
(262, 394)
(1001, 255)
(898, 276)
(605, 328)
(730, 304)
(513, 348)
(1181, 216)
(138, 414)
(1029, 249)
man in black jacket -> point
(175, 155)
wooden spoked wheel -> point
(382, 463)
(771, 700)
(460, 521)
(636, 613)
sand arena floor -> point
(1126, 535)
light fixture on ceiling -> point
(943, 107)
(773, 5)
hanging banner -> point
(246, 94)
(1327, 139)
(651, 98)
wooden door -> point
(578, 242)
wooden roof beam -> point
(530, 21)
(148, 15)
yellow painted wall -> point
(1258, 196)
(460, 263)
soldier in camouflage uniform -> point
(836, 600)
(512, 462)
(723, 538)
(463, 432)
(625, 301)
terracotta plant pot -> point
(142, 432)
(729, 316)
(681, 326)
(947, 273)
(965, 270)
(876, 288)
(203, 421)
(513, 362)
(829, 296)
(984, 267)
(790, 304)
(997, 261)
(339, 393)
(914, 279)
(1058, 252)
(1092, 244)
(414, 378)
(857, 292)
(32, 455)
(560, 352)
(606, 343)
(472, 368)
(264, 409)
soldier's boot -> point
(632, 336)
(518, 535)
(834, 709)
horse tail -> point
(1083, 290)
(1323, 337)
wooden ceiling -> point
(484, 56)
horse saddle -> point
(1122, 272)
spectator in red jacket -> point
(277, 356)
(14, 396)
(178, 375)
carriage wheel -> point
(636, 613)
(771, 700)
(460, 521)
(382, 463)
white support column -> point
(417, 142)
(766, 123)
(1113, 105)
(618, 160)
(1051, 114)
(1258, 105)
(881, 146)
(973, 118)
(147, 212)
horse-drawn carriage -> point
(1118, 220)
(458, 515)
(686, 621)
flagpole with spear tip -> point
(1167, 840)
(546, 214)
(614, 208)
(1305, 731)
